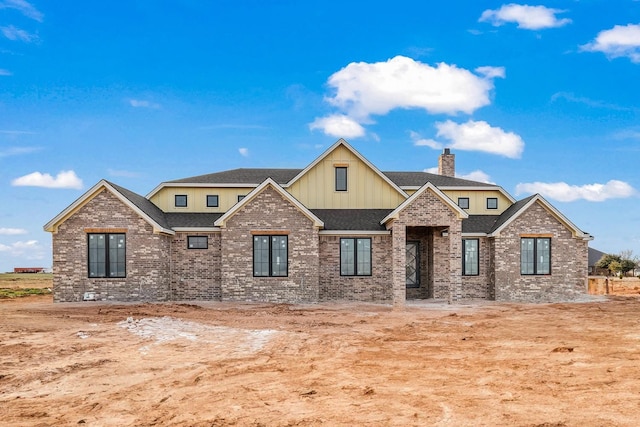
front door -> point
(413, 265)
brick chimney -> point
(447, 163)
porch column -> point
(399, 262)
(455, 262)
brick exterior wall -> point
(269, 211)
(374, 288)
(480, 286)
(195, 273)
(147, 255)
(161, 267)
(569, 260)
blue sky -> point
(538, 98)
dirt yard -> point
(218, 364)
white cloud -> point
(564, 192)
(338, 125)
(621, 40)
(65, 179)
(12, 231)
(29, 249)
(16, 34)
(570, 97)
(364, 89)
(4, 72)
(16, 151)
(243, 152)
(477, 175)
(139, 103)
(479, 136)
(527, 17)
(23, 7)
(418, 141)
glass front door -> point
(413, 265)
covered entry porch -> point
(426, 235)
(427, 268)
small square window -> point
(463, 202)
(212, 201)
(492, 203)
(241, 196)
(181, 201)
(197, 242)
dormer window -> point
(341, 178)
(492, 203)
(212, 200)
(181, 201)
(463, 202)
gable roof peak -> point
(142, 206)
(269, 182)
(342, 142)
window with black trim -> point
(492, 203)
(355, 257)
(471, 260)
(181, 200)
(197, 242)
(535, 256)
(107, 255)
(463, 202)
(212, 200)
(341, 178)
(241, 196)
(270, 256)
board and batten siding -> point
(197, 198)
(366, 189)
(478, 201)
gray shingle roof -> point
(181, 219)
(283, 176)
(418, 179)
(511, 211)
(352, 219)
(144, 204)
(479, 223)
(594, 256)
(242, 176)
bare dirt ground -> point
(218, 364)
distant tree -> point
(627, 265)
(616, 267)
(618, 264)
(628, 261)
(606, 262)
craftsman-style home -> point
(337, 230)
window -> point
(107, 255)
(181, 201)
(241, 196)
(355, 257)
(535, 255)
(212, 200)
(471, 257)
(492, 203)
(197, 242)
(270, 256)
(341, 179)
(463, 202)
